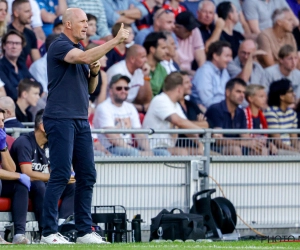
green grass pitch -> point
(163, 246)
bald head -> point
(248, 44)
(246, 48)
(71, 13)
(8, 105)
(134, 50)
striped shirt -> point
(277, 119)
(96, 8)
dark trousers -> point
(19, 206)
(70, 142)
(37, 194)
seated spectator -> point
(118, 53)
(50, 10)
(285, 69)
(245, 66)
(165, 112)
(210, 30)
(28, 95)
(36, 20)
(156, 48)
(13, 185)
(91, 30)
(10, 119)
(31, 156)
(175, 6)
(228, 115)
(151, 6)
(259, 13)
(190, 43)
(57, 29)
(257, 98)
(210, 79)
(126, 11)
(171, 57)
(227, 11)
(3, 16)
(21, 11)
(163, 20)
(38, 69)
(12, 70)
(115, 112)
(272, 39)
(279, 115)
(96, 8)
(135, 67)
(99, 94)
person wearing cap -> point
(49, 13)
(190, 43)
(163, 20)
(116, 113)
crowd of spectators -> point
(186, 64)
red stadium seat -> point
(5, 204)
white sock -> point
(17, 236)
(61, 221)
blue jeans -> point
(70, 142)
(120, 151)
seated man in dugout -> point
(228, 115)
(280, 115)
(166, 113)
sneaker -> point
(55, 239)
(2, 241)
(20, 239)
(92, 238)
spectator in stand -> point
(91, 30)
(30, 153)
(156, 48)
(245, 66)
(228, 115)
(210, 80)
(3, 16)
(285, 69)
(135, 67)
(38, 69)
(15, 186)
(272, 39)
(165, 113)
(257, 98)
(10, 119)
(151, 6)
(126, 11)
(36, 19)
(50, 10)
(28, 95)
(163, 20)
(118, 53)
(227, 11)
(13, 70)
(259, 14)
(99, 95)
(21, 17)
(96, 8)
(279, 115)
(171, 57)
(190, 43)
(115, 112)
(175, 6)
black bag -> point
(179, 226)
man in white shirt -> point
(165, 113)
(116, 113)
(135, 67)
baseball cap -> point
(117, 77)
(187, 20)
(57, 21)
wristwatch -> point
(4, 149)
(94, 75)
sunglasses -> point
(119, 88)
